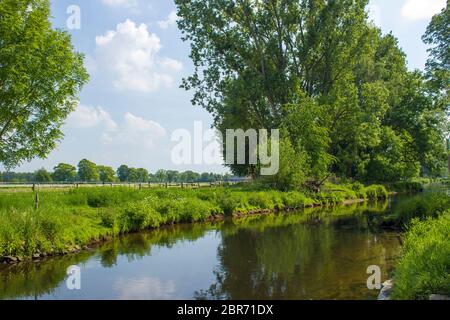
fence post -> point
(36, 201)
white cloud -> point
(135, 131)
(375, 14)
(415, 10)
(130, 55)
(90, 117)
(120, 3)
(169, 22)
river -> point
(313, 254)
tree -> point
(172, 176)
(64, 173)
(142, 175)
(87, 171)
(161, 175)
(133, 175)
(106, 174)
(291, 174)
(123, 173)
(189, 176)
(254, 58)
(42, 176)
(320, 70)
(40, 77)
(438, 64)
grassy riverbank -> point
(68, 220)
(424, 267)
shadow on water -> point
(313, 254)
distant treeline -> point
(88, 171)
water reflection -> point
(316, 254)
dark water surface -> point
(316, 254)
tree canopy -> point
(338, 88)
(40, 77)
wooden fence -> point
(55, 185)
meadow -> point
(67, 220)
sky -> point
(136, 60)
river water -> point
(313, 254)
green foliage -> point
(376, 192)
(423, 268)
(106, 174)
(123, 172)
(407, 186)
(428, 205)
(64, 173)
(81, 215)
(438, 65)
(137, 216)
(88, 171)
(392, 158)
(40, 78)
(292, 169)
(297, 200)
(360, 114)
(42, 176)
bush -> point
(185, 210)
(376, 192)
(261, 200)
(137, 216)
(424, 267)
(359, 189)
(296, 200)
(233, 202)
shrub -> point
(359, 189)
(233, 202)
(137, 216)
(376, 192)
(261, 200)
(296, 200)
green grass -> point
(424, 267)
(427, 205)
(76, 217)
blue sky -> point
(136, 59)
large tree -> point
(42, 176)
(88, 171)
(123, 172)
(337, 86)
(107, 174)
(64, 173)
(40, 77)
(438, 64)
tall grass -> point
(76, 217)
(424, 267)
(428, 205)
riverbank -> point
(423, 271)
(70, 221)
